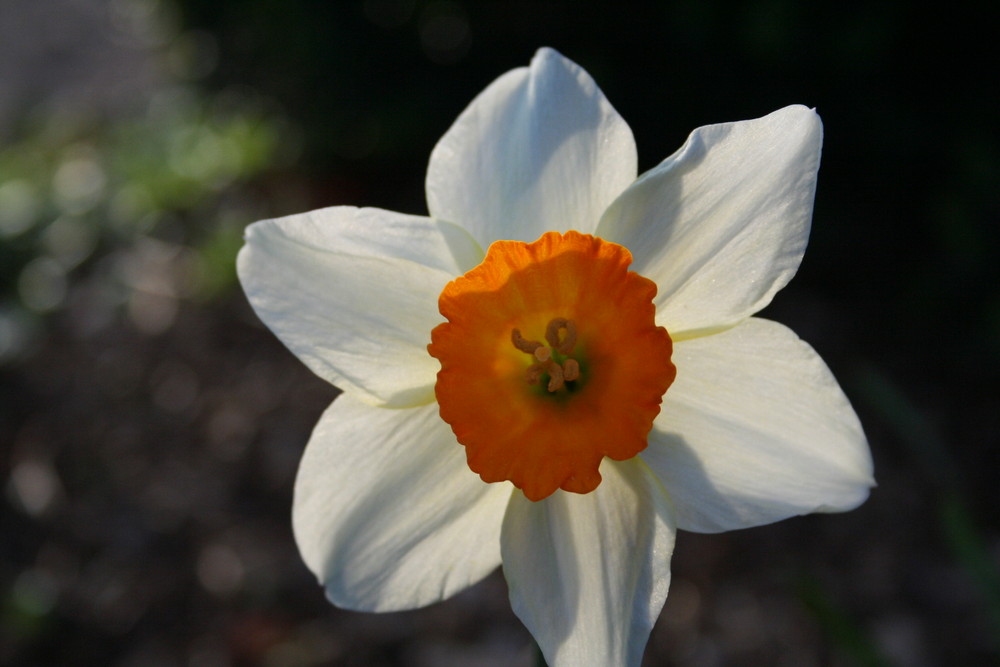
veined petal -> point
(588, 574)
(541, 149)
(386, 512)
(353, 293)
(721, 225)
(756, 429)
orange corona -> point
(550, 361)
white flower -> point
(753, 429)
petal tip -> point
(546, 53)
(848, 502)
(802, 116)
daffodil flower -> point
(559, 366)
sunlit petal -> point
(540, 149)
(754, 430)
(353, 293)
(386, 512)
(721, 225)
(588, 574)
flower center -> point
(551, 360)
(544, 361)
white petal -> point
(540, 149)
(588, 574)
(721, 225)
(353, 293)
(387, 513)
(755, 429)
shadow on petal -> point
(734, 497)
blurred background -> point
(150, 427)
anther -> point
(552, 334)
(571, 370)
(555, 376)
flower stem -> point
(539, 658)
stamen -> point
(542, 353)
(552, 334)
(555, 376)
(543, 364)
(523, 344)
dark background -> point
(151, 427)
